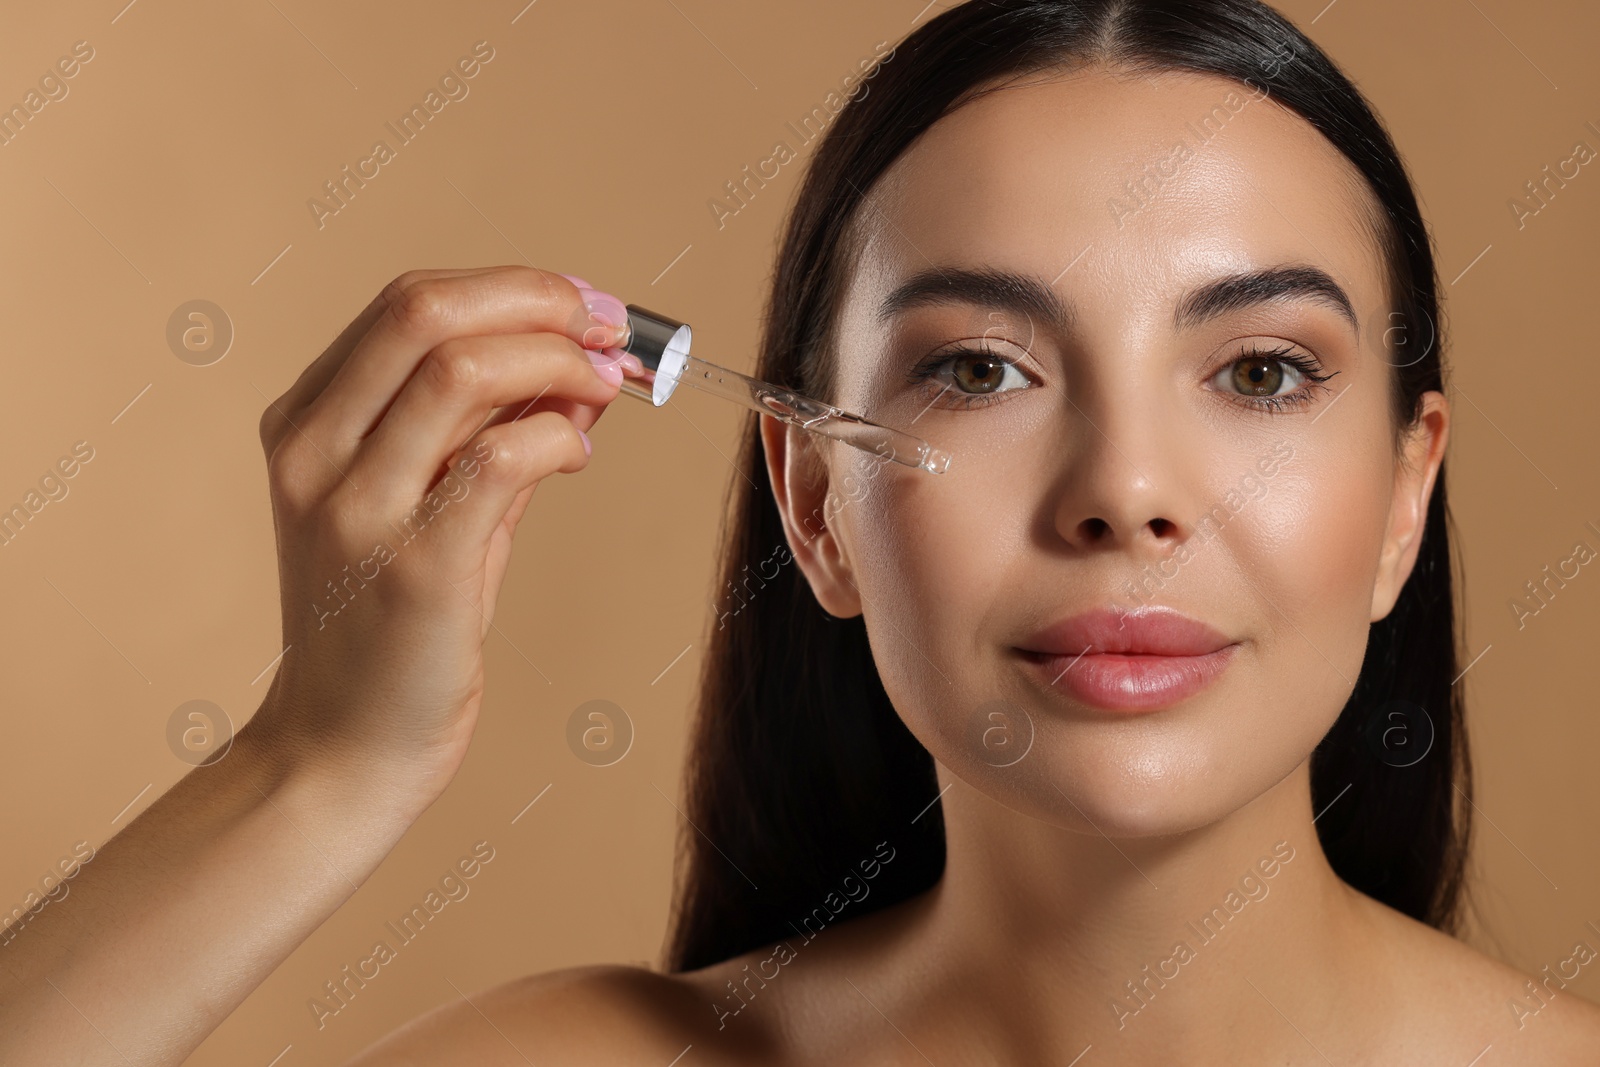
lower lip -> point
(1131, 683)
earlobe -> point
(1417, 470)
(800, 489)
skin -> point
(1070, 869)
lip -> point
(1129, 661)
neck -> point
(1148, 938)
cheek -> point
(944, 543)
(1310, 553)
(914, 558)
(927, 564)
(933, 558)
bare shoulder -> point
(598, 1014)
(1463, 996)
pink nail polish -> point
(606, 366)
(630, 362)
(603, 307)
(579, 282)
(588, 449)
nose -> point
(1124, 487)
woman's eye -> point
(1275, 381)
(1261, 376)
(973, 375)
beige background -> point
(179, 167)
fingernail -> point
(579, 282)
(630, 362)
(604, 336)
(588, 449)
(602, 307)
(606, 366)
(608, 316)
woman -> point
(1130, 737)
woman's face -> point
(1129, 461)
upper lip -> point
(1152, 631)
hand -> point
(400, 464)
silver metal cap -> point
(649, 334)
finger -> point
(583, 416)
(454, 393)
(519, 506)
(428, 313)
(486, 479)
(288, 408)
(499, 548)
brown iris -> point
(1258, 376)
(986, 372)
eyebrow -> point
(1026, 295)
(985, 287)
(1285, 282)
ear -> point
(800, 485)
(1421, 454)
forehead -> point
(1160, 181)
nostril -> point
(1163, 527)
(1095, 530)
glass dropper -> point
(662, 345)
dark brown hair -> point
(800, 765)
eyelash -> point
(931, 366)
(1302, 398)
(1307, 367)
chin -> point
(1131, 787)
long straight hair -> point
(800, 770)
